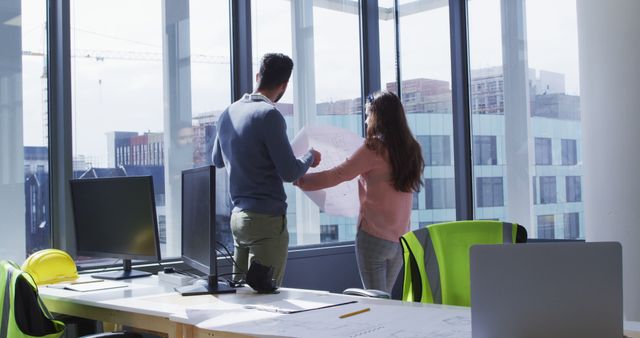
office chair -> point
(436, 258)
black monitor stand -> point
(126, 272)
(212, 287)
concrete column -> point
(608, 35)
(516, 114)
(12, 201)
(304, 107)
(178, 133)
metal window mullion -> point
(461, 109)
(60, 127)
(240, 40)
(396, 21)
(369, 51)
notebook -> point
(566, 289)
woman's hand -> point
(299, 183)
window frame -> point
(242, 81)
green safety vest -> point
(23, 314)
(436, 259)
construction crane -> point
(101, 55)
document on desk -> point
(377, 321)
(335, 145)
(290, 306)
(93, 285)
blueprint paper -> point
(335, 145)
(379, 321)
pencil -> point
(354, 313)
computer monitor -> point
(116, 217)
(199, 229)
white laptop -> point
(566, 289)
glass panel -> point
(323, 40)
(572, 225)
(485, 150)
(436, 149)
(574, 189)
(439, 193)
(426, 94)
(146, 94)
(24, 185)
(569, 152)
(548, 194)
(543, 151)
(387, 23)
(546, 227)
(528, 100)
(489, 192)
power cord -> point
(230, 257)
(170, 269)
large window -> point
(24, 159)
(569, 152)
(543, 151)
(146, 94)
(425, 87)
(546, 226)
(574, 189)
(436, 149)
(489, 192)
(548, 193)
(485, 151)
(528, 100)
(440, 193)
(387, 29)
(322, 38)
(415, 201)
(572, 225)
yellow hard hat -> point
(50, 266)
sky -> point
(127, 95)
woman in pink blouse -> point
(390, 166)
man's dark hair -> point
(275, 69)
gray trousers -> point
(379, 261)
(262, 237)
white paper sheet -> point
(379, 321)
(335, 145)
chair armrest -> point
(373, 293)
(114, 335)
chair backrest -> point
(23, 313)
(437, 258)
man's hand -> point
(316, 158)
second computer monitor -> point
(199, 239)
(116, 217)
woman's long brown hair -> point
(387, 126)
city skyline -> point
(484, 18)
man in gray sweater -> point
(252, 145)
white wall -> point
(608, 33)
